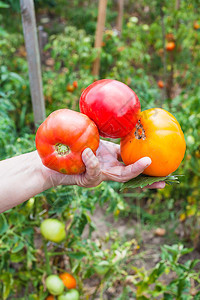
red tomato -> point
(61, 139)
(170, 46)
(160, 84)
(68, 280)
(157, 135)
(75, 84)
(112, 105)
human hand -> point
(105, 166)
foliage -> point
(137, 58)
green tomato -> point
(53, 230)
(102, 267)
(71, 295)
(54, 285)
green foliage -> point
(137, 59)
(150, 285)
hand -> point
(105, 166)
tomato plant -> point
(53, 230)
(157, 135)
(61, 139)
(68, 280)
(54, 285)
(102, 267)
(112, 105)
(71, 295)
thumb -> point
(91, 163)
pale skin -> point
(24, 176)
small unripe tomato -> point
(160, 84)
(53, 230)
(71, 295)
(102, 267)
(54, 285)
(170, 46)
(68, 280)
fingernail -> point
(87, 151)
(147, 161)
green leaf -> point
(77, 255)
(3, 5)
(144, 180)
(3, 224)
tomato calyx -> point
(139, 132)
(62, 149)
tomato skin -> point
(164, 143)
(61, 139)
(54, 285)
(68, 280)
(53, 230)
(112, 105)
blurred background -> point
(148, 240)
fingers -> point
(91, 163)
(137, 168)
(92, 177)
(124, 173)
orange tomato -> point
(170, 46)
(157, 135)
(160, 84)
(68, 280)
(196, 25)
(50, 297)
(70, 88)
(75, 84)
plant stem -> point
(48, 268)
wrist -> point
(53, 178)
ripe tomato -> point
(75, 84)
(61, 139)
(71, 295)
(68, 280)
(170, 46)
(196, 25)
(54, 285)
(53, 230)
(160, 84)
(50, 297)
(112, 105)
(157, 135)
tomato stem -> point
(139, 132)
(62, 149)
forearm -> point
(21, 178)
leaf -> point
(3, 224)
(76, 255)
(4, 5)
(144, 180)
